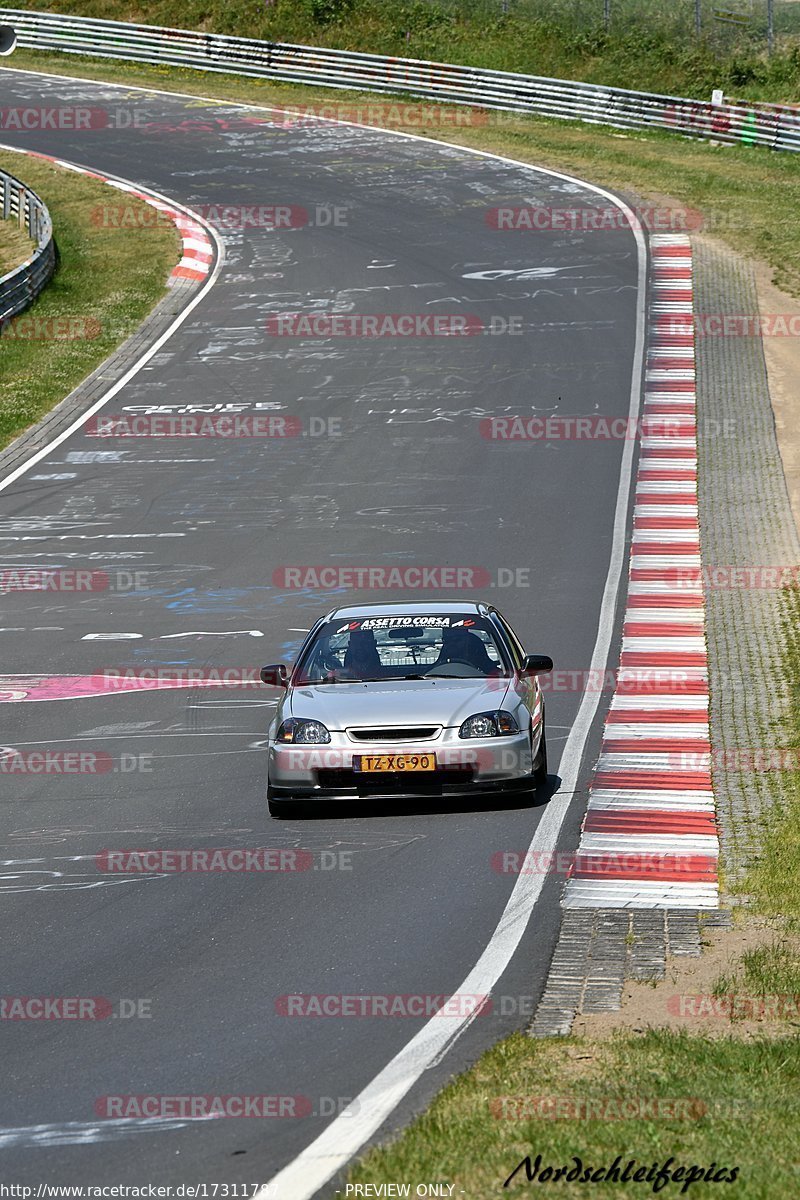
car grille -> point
(394, 733)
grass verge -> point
(773, 882)
(15, 246)
(648, 1098)
(106, 282)
(747, 196)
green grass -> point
(769, 971)
(110, 277)
(774, 881)
(738, 1107)
(649, 46)
(15, 246)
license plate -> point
(394, 762)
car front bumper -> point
(463, 767)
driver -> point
(459, 645)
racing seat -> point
(361, 657)
(459, 645)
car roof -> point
(408, 606)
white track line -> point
(143, 193)
(347, 1133)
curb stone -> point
(601, 949)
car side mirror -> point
(535, 664)
(276, 675)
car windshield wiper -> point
(338, 679)
(440, 675)
(437, 675)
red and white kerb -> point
(649, 839)
(198, 249)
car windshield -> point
(415, 646)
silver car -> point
(406, 701)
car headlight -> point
(297, 731)
(489, 724)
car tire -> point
(540, 766)
(277, 808)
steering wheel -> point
(452, 662)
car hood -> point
(404, 702)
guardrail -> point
(774, 126)
(21, 286)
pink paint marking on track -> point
(15, 688)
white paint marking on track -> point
(83, 1133)
(346, 1134)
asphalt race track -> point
(389, 467)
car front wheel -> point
(277, 808)
(540, 765)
